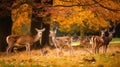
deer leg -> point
(104, 48)
(70, 48)
(57, 47)
(94, 50)
(60, 52)
(42, 51)
(97, 50)
(9, 48)
(28, 49)
(94, 47)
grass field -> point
(115, 39)
(80, 58)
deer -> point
(85, 41)
(60, 42)
(107, 40)
(23, 40)
(98, 41)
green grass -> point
(115, 42)
(115, 39)
(75, 43)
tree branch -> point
(75, 5)
(108, 8)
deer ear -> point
(36, 29)
(43, 29)
(113, 31)
(50, 31)
(106, 30)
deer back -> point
(25, 39)
(12, 38)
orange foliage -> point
(95, 16)
(21, 18)
(78, 15)
(110, 10)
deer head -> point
(103, 32)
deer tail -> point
(7, 39)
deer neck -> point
(36, 37)
(110, 37)
(102, 35)
(53, 38)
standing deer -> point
(23, 40)
(85, 41)
(98, 41)
(107, 40)
(60, 42)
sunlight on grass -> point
(80, 58)
(108, 60)
(116, 39)
(75, 43)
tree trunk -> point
(45, 35)
(21, 17)
(81, 31)
(5, 30)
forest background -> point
(83, 17)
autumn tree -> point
(21, 17)
(91, 14)
(85, 14)
(23, 13)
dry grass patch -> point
(80, 58)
